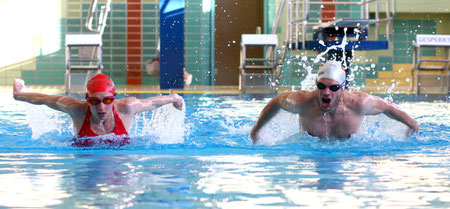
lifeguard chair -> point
(84, 51)
(432, 73)
(83, 57)
(257, 73)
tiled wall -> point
(47, 69)
(400, 51)
(198, 41)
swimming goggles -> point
(322, 86)
(96, 101)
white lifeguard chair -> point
(84, 51)
(83, 57)
(439, 71)
(262, 69)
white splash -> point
(310, 81)
(41, 121)
(166, 124)
(341, 46)
(280, 127)
(378, 127)
(234, 126)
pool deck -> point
(130, 89)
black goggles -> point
(322, 86)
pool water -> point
(203, 158)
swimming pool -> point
(209, 162)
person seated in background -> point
(100, 113)
(152, 67)
(330, 111)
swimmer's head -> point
(100, 83)
(332, 70)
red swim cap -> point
(100, 83)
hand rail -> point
(276, 22)
(305, 4)
(103, 16)
(293, 23)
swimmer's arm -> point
(373, 105)
(288, 101)
(132, 106)
(56, 102)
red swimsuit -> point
(85, 134)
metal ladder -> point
(326, 34)
(84, 51)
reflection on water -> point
(202, 179)
(30, 184)
(319, 182)
(90, 180)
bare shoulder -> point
(358, 97)
(296, 102)
(300, 97)
(366, 103)
(357, 100)
(73, 106)
(125, 105)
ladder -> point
(83, 56)
(84, 51)
(257, 73)
(332, 32)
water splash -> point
(43, 120)
(280, 127)
(233, 125)
(165, 126)
(309, 82)
(375, 130)
(341, 46)
(389, 92)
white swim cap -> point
(332, 70)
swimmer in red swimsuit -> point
(100, 114)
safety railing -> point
(298, 20)
(102, 16)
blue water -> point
(209, 162)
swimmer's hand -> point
(177, 101)
(18, 87)
(414, 130)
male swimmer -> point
(100, 113)
(344, 110)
